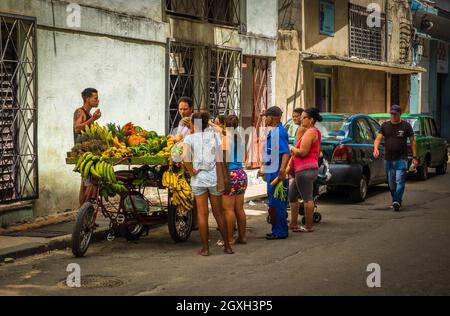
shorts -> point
(197, 191)
(305, 183)
(239, 183)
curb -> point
(58, 243)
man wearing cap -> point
(396, 133)
(275, 162)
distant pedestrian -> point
(396, 133)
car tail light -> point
(342, 153)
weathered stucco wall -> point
(399, 40)
(130, 80)
(92, 19)
(262, 17)
(285, 81)
(146, 8)
(359, 91)
(331, 45)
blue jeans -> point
(396, 174)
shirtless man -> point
(81, 118)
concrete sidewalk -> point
(59, 236)
(40, 240)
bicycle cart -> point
(132, 213)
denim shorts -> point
(197, 191)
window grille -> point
(18, 109)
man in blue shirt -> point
(275, 164)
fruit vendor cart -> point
(146, 191)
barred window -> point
(211, 76)
(215, 11)
(18, 109)
(366, 41)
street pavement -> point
(411, 248)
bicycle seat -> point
(125, 176)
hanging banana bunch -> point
(180, 189)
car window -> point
(415, 123)
(434, 130)
(375, 127)
(331, 127)
(428, 131)
(363, 132)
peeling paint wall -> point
(262, 17)
(399, 40)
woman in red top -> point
(306, 163)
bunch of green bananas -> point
(112, 189)
(102, 133)
(96, 167)
(180, 189)
(280, 192)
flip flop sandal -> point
(303, 229)
(204, 254)
(228, 251)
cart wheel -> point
(301, 209)
(317, 218)
(131, 232)
(83, 229)
(180, 225)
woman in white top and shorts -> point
(199, 155)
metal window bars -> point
(18, 109)
(215, 11)
(211, 76)
(365, 41)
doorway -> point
(322, 92)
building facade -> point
(431, 44)
(344, 56)
(142, 55)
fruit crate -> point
(135, 161)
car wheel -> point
(359, 194)
(422, 172)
